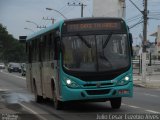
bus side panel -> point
(50, 73)
(36, 75)
(45, 79)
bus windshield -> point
(95, 53)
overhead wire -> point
(139, 22)
(133, 19)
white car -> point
(2, 66)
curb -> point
(147, 85)
(139, 85)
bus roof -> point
(54, 26)
(94, 18)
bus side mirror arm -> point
(131, 42)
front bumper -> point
(69, 94)
(15, 70)
(2, 67)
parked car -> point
(2, 66)
(23, 71)
(14, 67)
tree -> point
(10, 49)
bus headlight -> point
(124, 81)
(70, 83)
(126, 78)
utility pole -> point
(144, 43)
(145, 17)
(79, 4)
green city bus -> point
(85, 59)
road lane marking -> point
(136, 107)
(13, 75)
(4, 89)
(132, 106)
(37, 114)
(146, 94)
(151, 95)
(151, 111)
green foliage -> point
(10, 49)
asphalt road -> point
(17, 102)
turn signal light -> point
(123, 91)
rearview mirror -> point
(131, 42)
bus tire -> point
(116, 102)
(58, 105)
(38, 98)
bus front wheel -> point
(116, 102)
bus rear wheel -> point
(57, 104)
(116, 102)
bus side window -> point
(27, 48)
(34, 50)
(40, 39)
(37, 50)
(56, 49)
(43, 47)
(52, 46)
(47, 48)
(29, 52)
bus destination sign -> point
(93, 26)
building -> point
(109, 8)
(157, 41)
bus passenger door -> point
(51, 71)
(56, 70)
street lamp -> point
(35, 24)
(57, 12)
(29, 29)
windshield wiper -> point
(107, 40)
(84, 41)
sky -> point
(15, 13)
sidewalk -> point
(153, 81)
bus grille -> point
(98, 92)
(95, 85)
